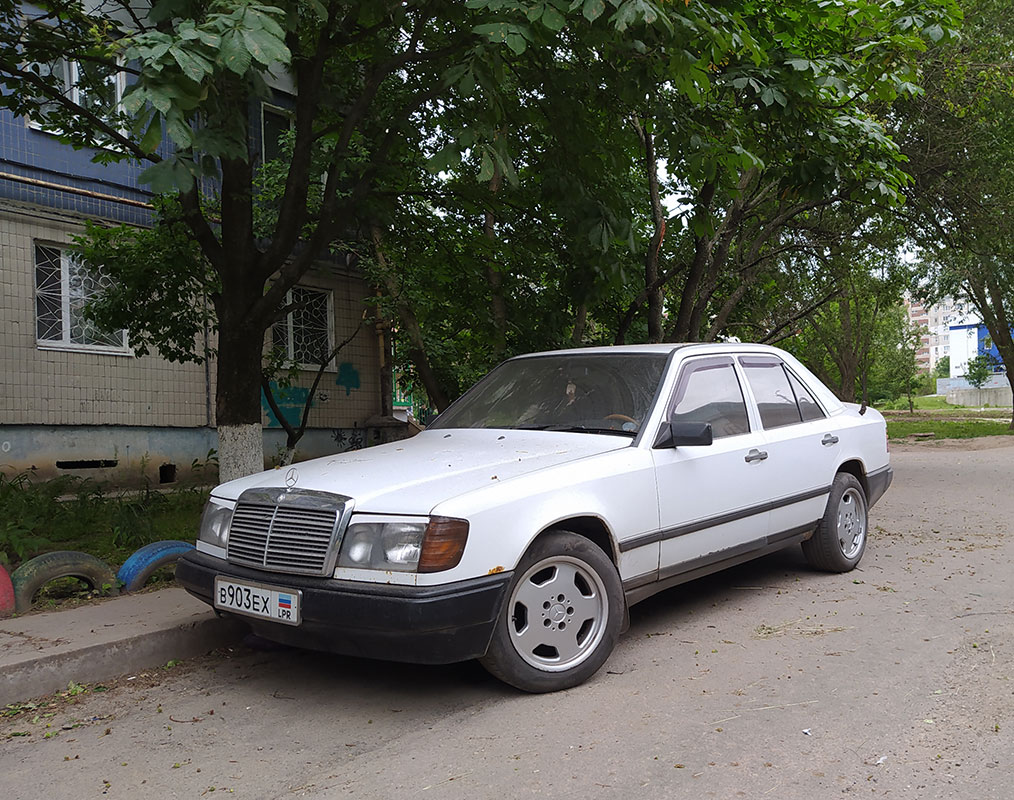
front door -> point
(712, 499)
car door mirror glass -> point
(691, 434)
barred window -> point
(305, 337)
(63, 286)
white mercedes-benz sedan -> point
(561, 489)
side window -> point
(709, 391)
(63, 288)
(775, 399)
(808, 408)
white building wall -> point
(964, 345)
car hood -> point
(413, 475)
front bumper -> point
(418, 624)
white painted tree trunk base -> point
(240, 451)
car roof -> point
(663, 348)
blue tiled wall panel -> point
(29, 152)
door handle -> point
(829, 440)
(755, 455)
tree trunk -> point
(494, 276)
(681, 331)
(848, 357)
(658, 221)
(237, 401)
(987, 295)
(580, 323)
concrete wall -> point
(118, 454)
(996, 381)
(977, 398)
(124, 455)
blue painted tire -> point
(139, 567)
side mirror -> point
(685, 434)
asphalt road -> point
(767, 681)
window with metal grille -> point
(63, 287)
(305, 337)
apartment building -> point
(76, 400)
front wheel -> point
(840, 539)
(562, 617)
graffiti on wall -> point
(347, 439)
(348, 378)
(291, 400)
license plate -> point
(258, 600)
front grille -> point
(294, 531)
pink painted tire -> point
(6, 594)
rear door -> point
(802, 444)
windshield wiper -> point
(571, 428)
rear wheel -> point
(840, 539)
(562, 617)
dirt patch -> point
(980, 443)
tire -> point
(839, 542)
(562, 616)
(139, 567)
(6, 593)
(37, 572)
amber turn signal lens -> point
(443, 544)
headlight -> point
(418, 546)
(215, 522)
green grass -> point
(926, 403)
(947, 429)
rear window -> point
(781, 397)
(808, 408)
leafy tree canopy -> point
(498, 165)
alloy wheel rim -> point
(851, 523)
(557, 614)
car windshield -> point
(595, 393)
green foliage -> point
(919, 403)
(979, 370)
(959, 138)
(486, 161)
(163, 284)
(893, 372)
(942, 368)
(860, 339)
(23, 514)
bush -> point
(23, 513)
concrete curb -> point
(42, 653)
